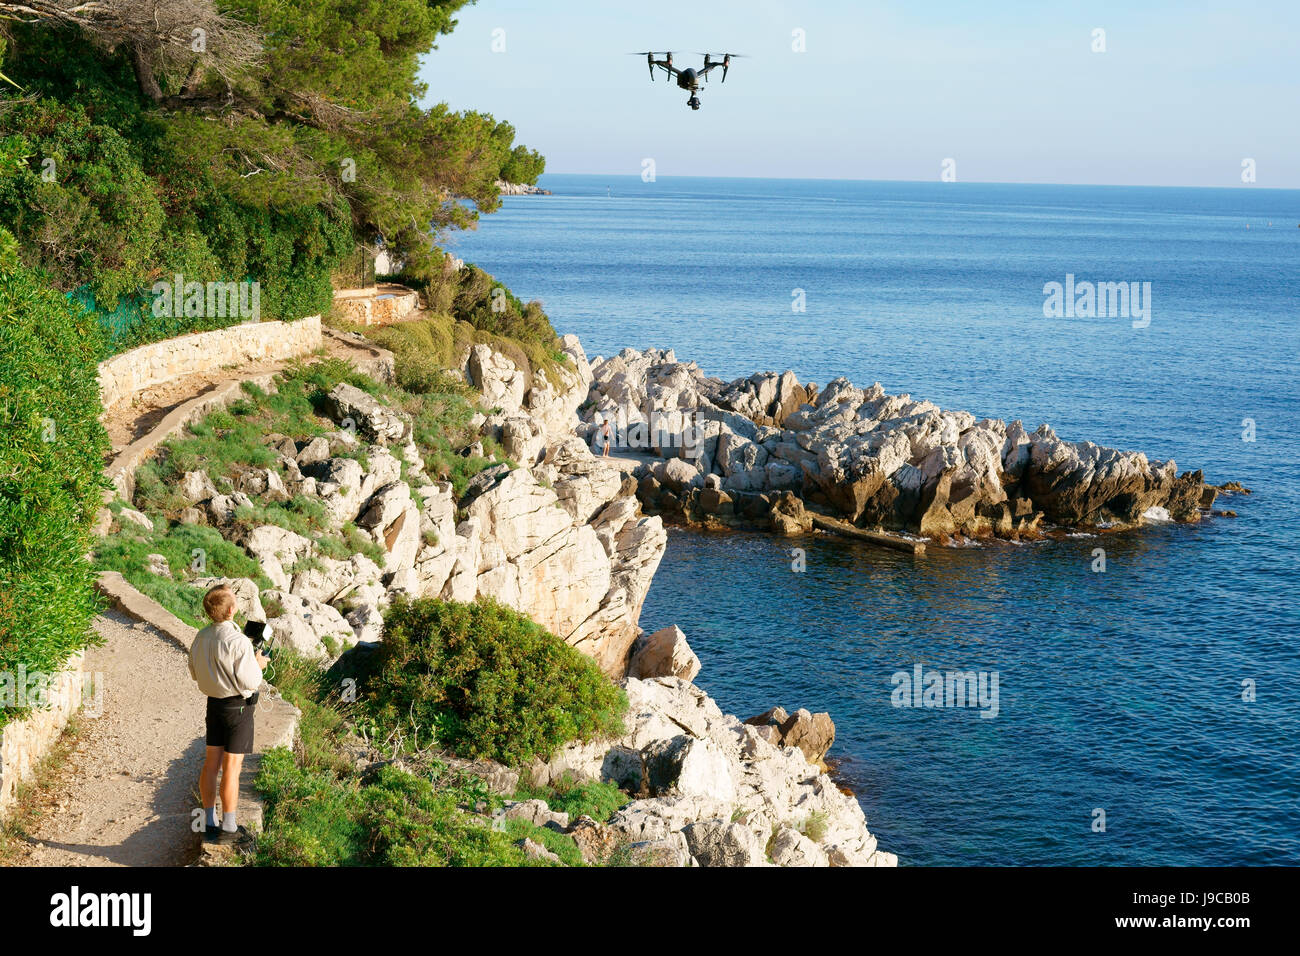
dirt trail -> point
(126, 793)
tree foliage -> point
(524, 166)
(187, 37)
(51, 452)
(295, 133)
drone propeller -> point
(726, 61)
(649, 55)
(650, 60)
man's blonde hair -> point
(219, 603)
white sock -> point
(212, 816)
(228, 822)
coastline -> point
(520, 189)
(593, 532)
(560, 537)
(768, 452)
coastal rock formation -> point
(745, 449)
(664, 653)
(310, 627)
(353, 408)
(564, 542)
(710, 789)
(788, 515)
(811, 733)
(542, 409)
(520, 189)
(563, 539)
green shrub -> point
(491, 682)
(592, 798)
(315, 817)
(305, 684)
(301, 515)
(415, 823)
(97, 211)
(52, 449)
(323, 810)
(470, 307)
(138, 194)
(351, 541)
(816, 825)
(312, 819)
(358, 543)
(560, 844)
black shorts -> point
(230, 724)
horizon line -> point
(968, 182)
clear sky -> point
(1012, 91)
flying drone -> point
(689, 79)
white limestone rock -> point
(248, 599)
(196, 487)
(664, 653)
(497, 377)
(680, 751)
(306, 625)
(129, 516)
(792, 848)
(276, 550)
(370, 418)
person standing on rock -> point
(229, 671)
(605, 434)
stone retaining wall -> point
(25, 743)
(160, 362)
(377, 306)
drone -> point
(689, 79)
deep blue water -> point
(1118, 690)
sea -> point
(1142, 689)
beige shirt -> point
(223, 662)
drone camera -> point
(693, 102)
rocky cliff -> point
(734, 450)
(561, 537)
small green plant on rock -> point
(592, 798)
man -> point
(229, 672)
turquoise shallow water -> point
(1118, 691)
